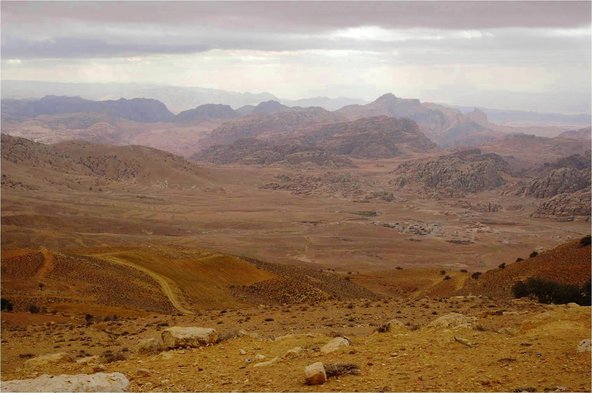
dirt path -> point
(47, 265)
(165, 284)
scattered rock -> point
(584, 346)
(44, 360)
(176, 337)
(242, 351)
(88, 359)
(335, 345)
(100, 382)
(315, 374)
(390, 325)
(452, 321)
(143, 372)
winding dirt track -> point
(165, 284)
(47, 265)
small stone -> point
(143, 372)
(584, 346)
(267, 363)
(259, 356)
(315, 374)
(242, 351)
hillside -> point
(568, 263)
(72, 164)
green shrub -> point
(552, 292)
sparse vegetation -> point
(519, 259)
(476, 275)
(552, 292)
(585, 241)
(33, 308)
(533, 254)
(502, 265)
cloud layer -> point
(425, 49)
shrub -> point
(6, 305)
(476, 275)
(552, 292)
(442, 272)
(519, 259)
(533, 254)
(88, 319)
(447, 278)
(502, 265)
(585, 241)
(33, 309)
(464, 271)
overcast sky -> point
(521, 55)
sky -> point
(511, 55)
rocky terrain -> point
(568, 206)
(467, 171)
(204, 112)
(250, 151)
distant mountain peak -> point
(271, 106)
(386, 97)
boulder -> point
(293, 353)
(315, 374)
(176, 337)
(393, 324)
(584, 346)
(100, 382)
(451, 321)
(44, 360)
(335, 345)
(149, 346)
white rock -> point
(47, 359)
(176, 337)
(334, 345)
(584, 346)
(452, 321)
(315, 374)
(259, 356)
(100, 382)
(267, 363)
(242, 351)
(293, 353)
(88, 359)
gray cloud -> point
(299, 16)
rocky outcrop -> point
(251, 151)
(559, 181)
(566, 206)
(99, 382)
(455, 174)
(177, 337)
